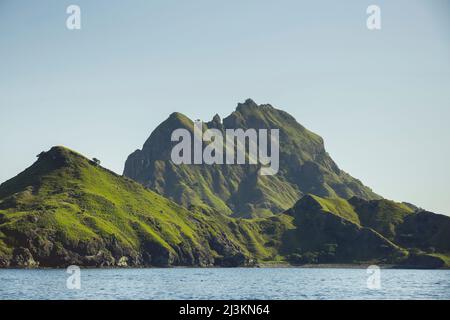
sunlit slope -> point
(333, 229)
(238, 190)
(65, 209)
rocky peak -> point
(216, 122)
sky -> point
(380, 99)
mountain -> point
(406, 226)
(238, 190)
(66, 209)
(333, 229)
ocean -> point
(225, 283)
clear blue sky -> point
(380, 99)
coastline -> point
(277, 265)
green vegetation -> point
(66, 209)
(444, 257)
(338, 207)
(305, 168)
(381, 215)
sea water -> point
(221, 283)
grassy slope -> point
(305, 167)
(381, 215)
(66, 201)
(329, 229)
(321, 222)
(72, 199)
(338, 207)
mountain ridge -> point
(305, 167)
(66, 209)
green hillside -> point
(66, 209)
(238, 190)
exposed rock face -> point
(22, 257)
(305, 167)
